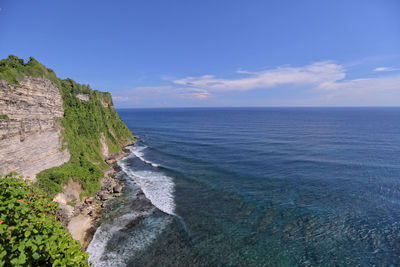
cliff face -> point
(40, 117)
(30, 138)
(63, 135)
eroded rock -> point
(30, 140)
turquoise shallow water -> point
(262, 187)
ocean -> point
(257, 187)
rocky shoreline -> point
(82, 218)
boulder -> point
(89, 200)
(117, 188)
(104, 196)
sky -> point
(215, 53)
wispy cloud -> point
(386, 69)
(240, 71)
(322, 76)
(193, 93)
(384, 90)
(325, 83)
(318, 73)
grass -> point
(13, 69)
(4, 117)
(71, 203)
(83, 123)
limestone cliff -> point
(30, 136)
(55, 128)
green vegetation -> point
(30, 235)
(71, 203)
(13, 69)
(83, 123)
(4, 117)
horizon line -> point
(258, 107)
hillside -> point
(59, 128)
(64, 137)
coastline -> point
(121, 205)
(83, 219)
(129, 217)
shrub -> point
(4, 117)
(30, 235)
(14, 69)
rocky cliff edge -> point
(30, 134)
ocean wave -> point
(112, 246)
(138, 152)
(158, 187)
(114, 243)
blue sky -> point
(192, 53)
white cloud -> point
(193, 93)
(315, 74)
(240, 71)
(325, 82)
(385, 69)
(384, 89)
(326, 78)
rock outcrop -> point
(30, 139)
(82, 220)
(104, 146)
(83, 97)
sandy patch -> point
(78, 227)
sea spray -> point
(117, 240)
(137, 151)
(114, 243)
(157, 187)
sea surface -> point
(258, 187)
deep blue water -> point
(266, 187)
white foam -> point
(157, 187)
(101, 255)
(103, 234)
(137, 151)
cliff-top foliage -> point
(30, 235)
(83, 124)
